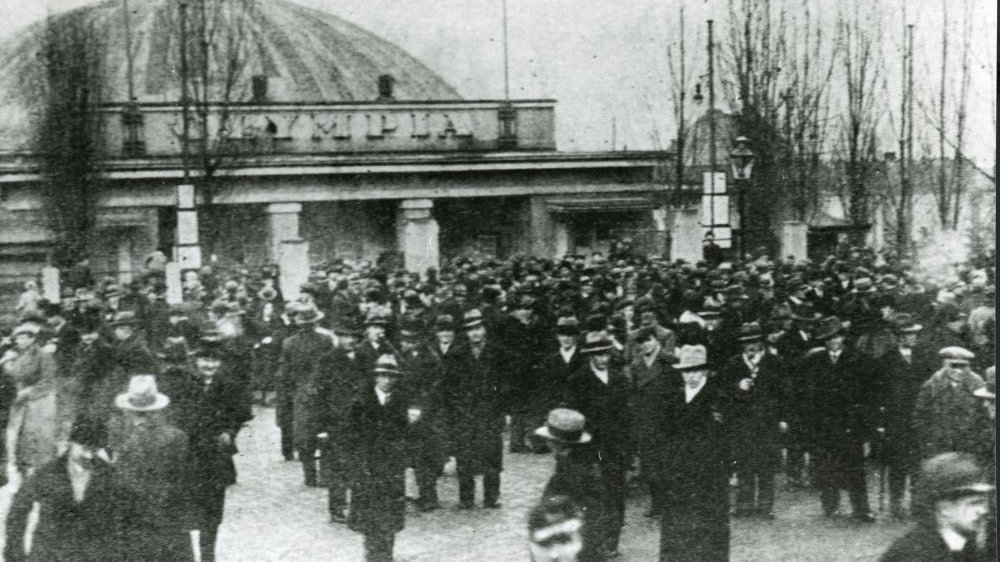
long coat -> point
(837, 402)
(605, 407)
(296, 393)
(93, 530)
(694, 451)
(95, 383)
(378, 433)
(34, 428)
(338, 381)
(578, 477)
(650, 385)
(901, 382)
(947, 417)
(474, 395)
(754, 414)
(132, 357)
(553, 374)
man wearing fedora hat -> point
(578, 478)
(951, 500)
(600, 391)
(85, 513)
(474, 394)
(755, 380)
(151, 457)
(693, 465)
(95, 382)
(837, 405)
(521, 330)
(557, 364)
(902, 371)
(339, 376)
(947, 416)
(296, 391)
(377, 424)
(131, 354)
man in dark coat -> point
(425, 442)
(131, 354)
(85, 514)
(837, 406)
(213, 411)
(151, 457)
(951, 501)
(296, 392)
(474, 394)
(755, 385)
(95, 383)
(601, 393)
(339, 376)
(947, 416)
(520, 331)
(694, 466)
(578, 478)
(377, 428)
(903, 371)
(652, 379)
(557, 365)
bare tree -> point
(679, 75)
(69, 135)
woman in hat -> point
(694, 466)
(578, 478)
(377, 429)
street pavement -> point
(272, 516)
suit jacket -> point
(948, 417)
(754, 414)
(296, 391)
(553, 374)
(900, 384)
(152, 461)
(93, 530)
(132, 357)
(338, 380)
(474, 395)
(649, 387)
(837, 401)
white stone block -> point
(185, 196)
(175, 288)
(189, 257)
(187, 227)
(50, 283)
(293, 263)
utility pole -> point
(185, 102)
(904, 215)
(711, 133)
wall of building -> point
(348, 229)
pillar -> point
(187, 251)
(686, 236)
(659, 242)
(417, 235)
(561, 239)
(293, 267)
(283, 225)
(175, 285)
(794, 240)
(540, 230)
(50, 284)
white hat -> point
(142, 395)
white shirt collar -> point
(690, 393)
(603, 375)
(567, 354)
(382, 396)
(955, 540)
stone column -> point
(187, 251)
(540, 230)
(686, 236)
(283, 224)
(794, 240)
(417, 235)
(50, 284)
(561, 239)
(293, 267)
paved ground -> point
(271, 516)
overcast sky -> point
(605, 60)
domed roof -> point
(307, 55)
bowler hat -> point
(142, 395)
(377, 319)
(564, 425)
(829, 327)
(472, 319)
(124, 318)
(596, 342)
(307, 314)
(444, 323)
(903, 323)
(410, 328)
(386, 365)
(568, 326)
(749, 332)
(556, 516)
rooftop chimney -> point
(258, 89)
(385, 85)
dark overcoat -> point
(948, 417)
(378, 491)
(94, 382)
(650, 386)
(694, 451)
(578, 477)
(133, 357)
(338, 380)
(296, 392)
(901, 382)
(474, 395)
(93, 530)
(606, 408)
(754, 414)
(924, 544)
(426, 442)
(553, 374)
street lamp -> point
(741, 159)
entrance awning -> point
(600, 205)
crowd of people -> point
(630, 370)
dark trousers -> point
(287, 444)
(756, 489)
(335, 467)
(426, 474)
(898, 469)
(307, 456)
(613, 468)
(796, 463)
(467, 485)
(840, 469)
(521, 426)
(378, 547)
(211, 501)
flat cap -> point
(955, 353)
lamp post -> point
(741, 159)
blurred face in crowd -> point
(753, 347)
(385, 383)
(24, 340)
(990, 405)
(566, 341)
(967, 514)
(954, 368)
(560, 543)
(89, 338)
(83, 456)
(347, 341)
(907, 340)
(375, 332)
(887, 312)
(694, 377)
(600, 360)
(408, 343)
(445, 337)
(650, 345)
(123, 332)
(208, 367)
(835, 343)
(476, 335)
(647, 319)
